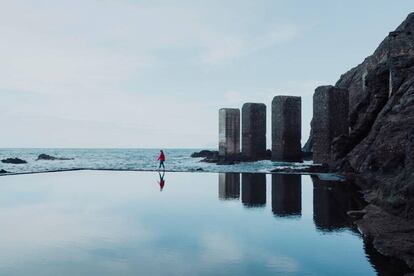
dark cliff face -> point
(381, 138)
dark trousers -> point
(161, 164)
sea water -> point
(125, 159)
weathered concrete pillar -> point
(330, 119)
(229, 131)
(286, 129)
(286, 195)
(229, 186)
(254, 130)
(254, 190)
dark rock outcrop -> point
(3, 171)
(380, 144)
(381, 227)
(49, 157)
(211, 156)
(13, 161)
(381, 117)
(381, 140)
(204, 153)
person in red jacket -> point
(161, 158)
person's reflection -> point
(286, 195)
(229, 186)
(162, 180)
(331, 201)
(254, 190)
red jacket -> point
(162, 157)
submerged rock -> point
(49, 157)
(13, 161)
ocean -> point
(177, 160)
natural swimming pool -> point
(121, 223)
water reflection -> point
(161, 182)
(103, 223)
(229, 186)
(254, 190)
(286, 195)
(331, 201)
(384, 265)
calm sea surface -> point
(143, 223)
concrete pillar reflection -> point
(254, 190)
(229, 186)
(286, 195)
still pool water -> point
(134, 223)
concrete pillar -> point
(254, 130)
(229, 186)
(286, 195)
(286, 129)
(229, 131)
(330, 117)
(254, 190)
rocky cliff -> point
(380, 144)
(381, 139)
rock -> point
(391, 235)
(380, 144)
(13, 161)
(307, 155)
(356, 213)
(49, 157)
(230, 159)
(204, 153)
(3, 171)
(381, 117)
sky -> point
(153, 74)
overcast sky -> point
(154, 73)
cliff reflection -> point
(229, 186)
(286, 195)
(331, 201)
(254, 190)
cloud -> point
(121, 69)
(233, 97)
(219, 248)
(283, 264)
(223, 46)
